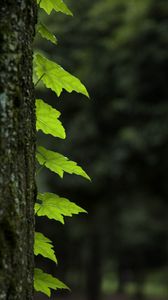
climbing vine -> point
(50, 205)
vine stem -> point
(39, 170)
(39, 80)
(39, 2)
(37, 210)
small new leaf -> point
(56, 78)
(55, 207)
(58, 163)
(46, 34)
(44, 247)
(44, 282)
(47, 120)
(57, 5)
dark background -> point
(119, 49)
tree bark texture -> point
(17, 149)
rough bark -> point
(17, 148)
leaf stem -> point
(39, 170)
(39, 80)
(39, 2)
(37, 210)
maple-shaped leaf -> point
(43, 246)
(46, 34)
(55, 207)
(58, 163)
(56, 78)
(44, 282)
(57, 5)
(47, 119)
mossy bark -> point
(17, 149)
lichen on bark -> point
(17, 149)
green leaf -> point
(55, 207)
(58, 163)
(47, 120)
(46, 34)
(43, 246)
(56, 78)
(43, 282)
(57, 5)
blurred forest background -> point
(119, 50)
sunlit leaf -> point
(46, 34)
(55, 207)
(44, 282)
(47, 120)
(43, 246)
(56, 78)
(57, 5)
(58, 163)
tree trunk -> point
(17, 148)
